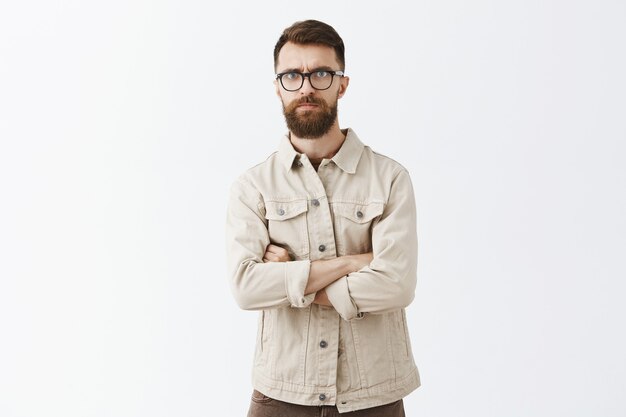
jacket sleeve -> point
(388, 283)
(257, 285)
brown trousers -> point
(262, 406)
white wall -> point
(123, 123)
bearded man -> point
(321, 240)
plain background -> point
(123, 124)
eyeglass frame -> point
(305, 75)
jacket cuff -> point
(296, 278)
(339, 296)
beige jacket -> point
(358, 354)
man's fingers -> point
(276, 253)
(270, 257)
(272, 248)
(275, 249)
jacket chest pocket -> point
(353, 224)
(287, 226)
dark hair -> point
(312, 32)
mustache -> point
(311, 100)
(306, 100)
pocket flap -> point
(359, 213)
(277, 210)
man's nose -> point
(307, 89)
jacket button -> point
(359, 214)
(322, 397)
(322, 248)
(315, 203)
(323, 344)
(281, 212)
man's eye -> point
(292, 76)
(320, 74)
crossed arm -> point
(353, 284)
(322, 272)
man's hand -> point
(321, 298)
(275, 253)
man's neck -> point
(324, 147)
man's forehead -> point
(306, 57)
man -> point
(321, 240)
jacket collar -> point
(347, 158)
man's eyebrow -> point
(322, 68)
(290, 70)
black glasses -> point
(320, 80)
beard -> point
(310, 124)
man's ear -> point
(277, 89)
(343, 86)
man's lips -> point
(307, 106)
